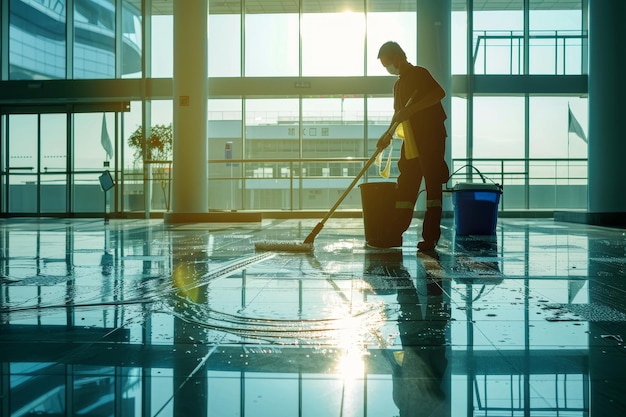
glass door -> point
(37, 163)
(53, 163)
(23, 163)
(52, 158)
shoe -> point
(426, 246)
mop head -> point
(276, 245)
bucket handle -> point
(482, 176)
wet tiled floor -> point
(141, 318)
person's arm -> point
(431, 98)
(429, 93)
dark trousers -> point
(432, 169)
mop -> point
(307, 244)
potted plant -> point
(158, 157)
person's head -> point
(391, 57)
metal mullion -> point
(69, 40)
(38, 165)
(526, 12)
(242, 40)
(556, 54)
(242, 173)
(118, 42)
(69, 160)
(511, 53)
(4, 40)
(242, 68)
(564, 55)
(4, 164)
(470, 82)
(300, 142)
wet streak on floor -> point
(139, 318)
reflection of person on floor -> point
(419, 369)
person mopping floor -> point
(423, 148)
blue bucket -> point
(476, 208)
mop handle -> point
(390, 130)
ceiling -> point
(315, 6)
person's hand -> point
(384, 141)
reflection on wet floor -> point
(140, 318)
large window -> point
(94, 39)
(457, 137)
(36, 40)
(280, 31)
(162, 47)
(556, 40)
(224, 45)
(499, 127)
(293, 131)
(499, 39)
(556, 127)
(53, 190)
(131, 40)
(384, 25)
(458, 46)
(93, 151)
(332, 43)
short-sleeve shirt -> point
(427, 123)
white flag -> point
(105, 140)
(574, 127)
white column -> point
(190, 94)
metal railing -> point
(502, 52)
(315, 183)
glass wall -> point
(272, 136)
(37, 40)
(499, 39)
(277, 29)
(54, 163)
(94, 39)
(556, 40)
(224, 42)
(228, 177)
(296, 149)
(93, 150)
(558, 152)
(162, 46)
(333, 41)
(129, 192)
(499, 127)
(386, 21)
(131, 39)
(459, 36)
(23, 163)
